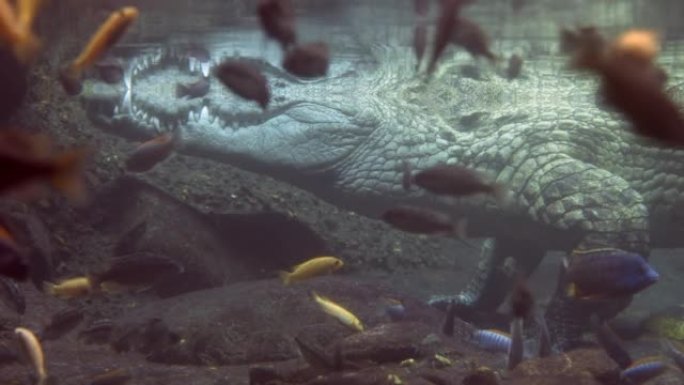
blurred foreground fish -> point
(308, 61)
(12, 260)
(343, 315)
(137, 269)
(492, 340)
(278, 21)
(472, 38)
(610, 342)
(606, 273)
(455, 181)
(61, 323)
(245, 81)
(311, 268)
(111, 377)
(69, 288)
(16, 29)
(109, 33)
(192, 90)
(643, 370)
(33, 352)
(423, 221)
(446, 25)
(11, 295)
(28, 158)
(150, 153)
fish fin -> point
(70, 78)
(68, 178)
(181, 91)
(285, 276)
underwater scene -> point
(341, 192)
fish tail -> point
(286, 277)
(181, 91)
(68, 177)
(27, 48)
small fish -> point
(419, 42)
(423, 221)
(31, 348)
(308, 61)
(17, 34)
(29, 158)
(278, 21)
(110, 70)
(61, 323)
(106, 36)
(343, 315)
(12, 260)
(643, 370)
(514, 68)
(69, 288)
(447, 23)
(606, 273)
(97, 332)
(192, 90)
(456, 181)
(244, 81)
(610, 342)
(111, 377)
(472, 38)
(137, 269)
(12, 296)
(149, 154)
(311, 268)
(492, 340)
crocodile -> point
(576, 176)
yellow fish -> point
(16, 34)
(69, 288)
(27, 11)
(106, 36)
(311, 268)
(34, 351)
(343, 315)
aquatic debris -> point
(472, 38)
(278, 21)
(515, 63)
(610, 342)
(492, 340)
(423, 221)
(245, 81)
(643, 370)
(136, 269)
(29, 158)
(106, 36)
(308, 61)
(151, 153)
(606, 273)
(311, 268)
(192, 90)
(33, 351)
(61, 323)
(111, 377)
(69, 288)
(16, 31)
(343, 315)
(12, 296)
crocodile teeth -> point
(192, 64)
(191, 116)
(116, 110)
(155, 123)
(204, 114)
(205, 68)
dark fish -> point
(110, 70)
(97, 332)
(606, 273)
(111, 377)
(419, 42)
(12, 296)
(313, 356)
(643, 370)
(138, 269)
(676, 354)
(61, 323)
(308, 61)
(278, 21)
(472, 38)
(245, 81)
(446, 26)
(492, 340)
(455, 180)
(12, 260)
(193, 90)
(611, 343)
(514, 68)
(544, 337)
(448, 326)
(28, 158)
(422, 221)
(150, 153)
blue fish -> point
(606, 273)
(492, 340)
(643, 370)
